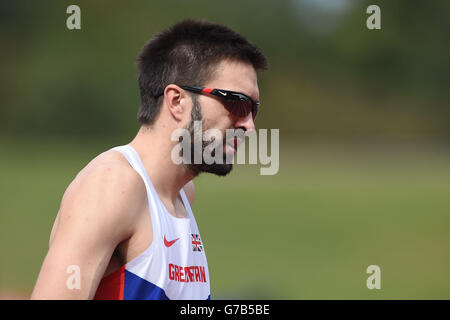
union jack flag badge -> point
(197, 244)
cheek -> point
(221, 124)
(216, 116)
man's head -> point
(197, 54)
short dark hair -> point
(187, 53)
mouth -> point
(232, 145)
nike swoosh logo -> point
(222, 93)
(169, 243)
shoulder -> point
(109, 174)
(107, 193)
(189, 189)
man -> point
(125, 224)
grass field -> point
(308, 232)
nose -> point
(246, 123)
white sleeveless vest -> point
(174, 266)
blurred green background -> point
(364, 141)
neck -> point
(154, 148)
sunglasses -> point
(236, 103)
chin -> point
(220, 170)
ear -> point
(178, 102)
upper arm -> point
(96, 214)
(189, 190)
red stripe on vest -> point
(112, 286)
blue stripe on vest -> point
(137, 288)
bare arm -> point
(96, 214)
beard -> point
(215, 168)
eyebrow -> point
(251, 96)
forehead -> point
(235, 76)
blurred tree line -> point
(329, 75)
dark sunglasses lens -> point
(240, 108)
